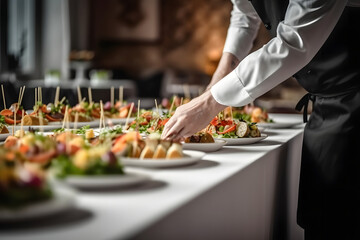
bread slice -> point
(29, 120)
(160, 152)
(147, 152)
(242, 129)
(175, 151)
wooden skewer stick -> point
(121, 95)
(172, 104)
(22, 124)
(112, 96)
(57, 93)
(79, 94)
(90, 95)
(231, 114)
(181, 101)
(3, 95)
(129, 114)
(157, 108)
(41, 120)
(65, 115)
(62, 100)
(101, 114)
(36, 96)
(138, 115)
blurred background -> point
(153, 48)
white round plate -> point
(38, 127)
(3, 136)
(205, 147)
(278, 124)
(63, 200)
(107, 181)
(282, 120)
(243, 141)
(190, 157)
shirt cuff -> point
(230, 91)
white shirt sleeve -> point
(244, 25)
(306, 27)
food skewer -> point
(121, 95)
(41, 120)
(112, 96)
(157, 108)
(3, 95)
(181, 101)
(65, 115)
(129, 114)
(172, 104)
(56, 101)
(79, 95)
(22, 124)
(90, 95)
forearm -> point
(228, 63)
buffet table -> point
(238, 192)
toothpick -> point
(36, 96)
(56, 101)
(41, 120)
(138, 111)
(62, 100)
(101, 114)
(129, 114)
(22, 95)
(90, 95)
(112, 96)
(65, 116)
(22, 124)
(3, 95)
(231, 113)
(39, 95)
(157, 108)
(121, 95)
(181, 101)
(79, 94)
(172, 104)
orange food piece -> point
(6, 112)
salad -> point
(232, 128)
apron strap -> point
(303, 104)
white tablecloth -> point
(239, 192)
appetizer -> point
(232, 129)
(200, 137)
(20, 184)
(133, 146)
(9, 114)
(3, 128)
(248, 113)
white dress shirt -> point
(306, 26)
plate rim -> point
(234, 140)
(164, 162)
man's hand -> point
(192, 117)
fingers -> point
(168, 126)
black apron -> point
(329, 191)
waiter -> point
(317, 41)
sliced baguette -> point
(242, 129)
(175, 151)
(160, 152)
